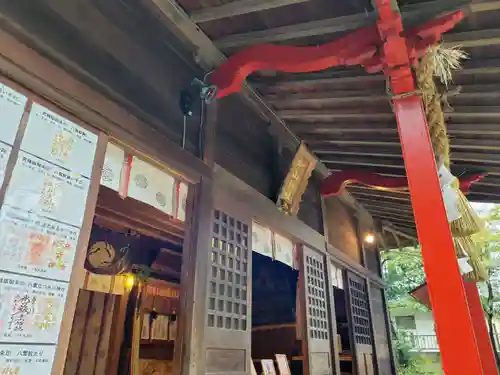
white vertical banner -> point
(262, 240)
(283, 249)
(152, 186)
(112, 168)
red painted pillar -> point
(481, 329)
(457, 342)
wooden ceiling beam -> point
(347, 79)
(325, 115)
(377, 197)
(392, 217)
(318, 99)
(471, 39)
(405, 210)
(330, 128)
(328, 97)
(454, 129)
(317, 142)
(383, 163)
(238, 8)
(488, 158)
(411, 14)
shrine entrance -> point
(127, 312)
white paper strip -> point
(283, 249)
(445, 176)
(262, 240)
(450, 198)
(182, 201)
(337, 277)
(12, 105)
(112, 168)
(152, 186)
(60, 141)
(464, 265)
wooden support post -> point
(189, 352)
(457, 342)
(481, 329)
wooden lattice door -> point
(313, 276)
(359, 312)
(381, 331)
(228, 323)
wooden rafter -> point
(237, 8)
(411, 14)
(384, 128)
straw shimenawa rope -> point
(440, 62)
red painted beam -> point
(357, 48)
(481, 329)
(457, 342)
(334, 184)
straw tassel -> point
(440, 62)
(465, 247)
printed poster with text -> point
(31, 309)
(26, 359)
(12, 106)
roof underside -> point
(343, 114)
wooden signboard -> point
(295, 183)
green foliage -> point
(403, 271)
(410, 362)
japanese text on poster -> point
(59, 141)
(31, 309)
(26, 359)
(43, 188)
(33, 245)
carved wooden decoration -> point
(296, 181)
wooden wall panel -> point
(92, 334)
(244, 147)
(77, 333)
(310, 207)
(360, 321)
(381, 332)
(342, 228)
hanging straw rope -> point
(440, 62)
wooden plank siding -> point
(92, 334)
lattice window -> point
(227, 297)
(360, 312)
(316, 300)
